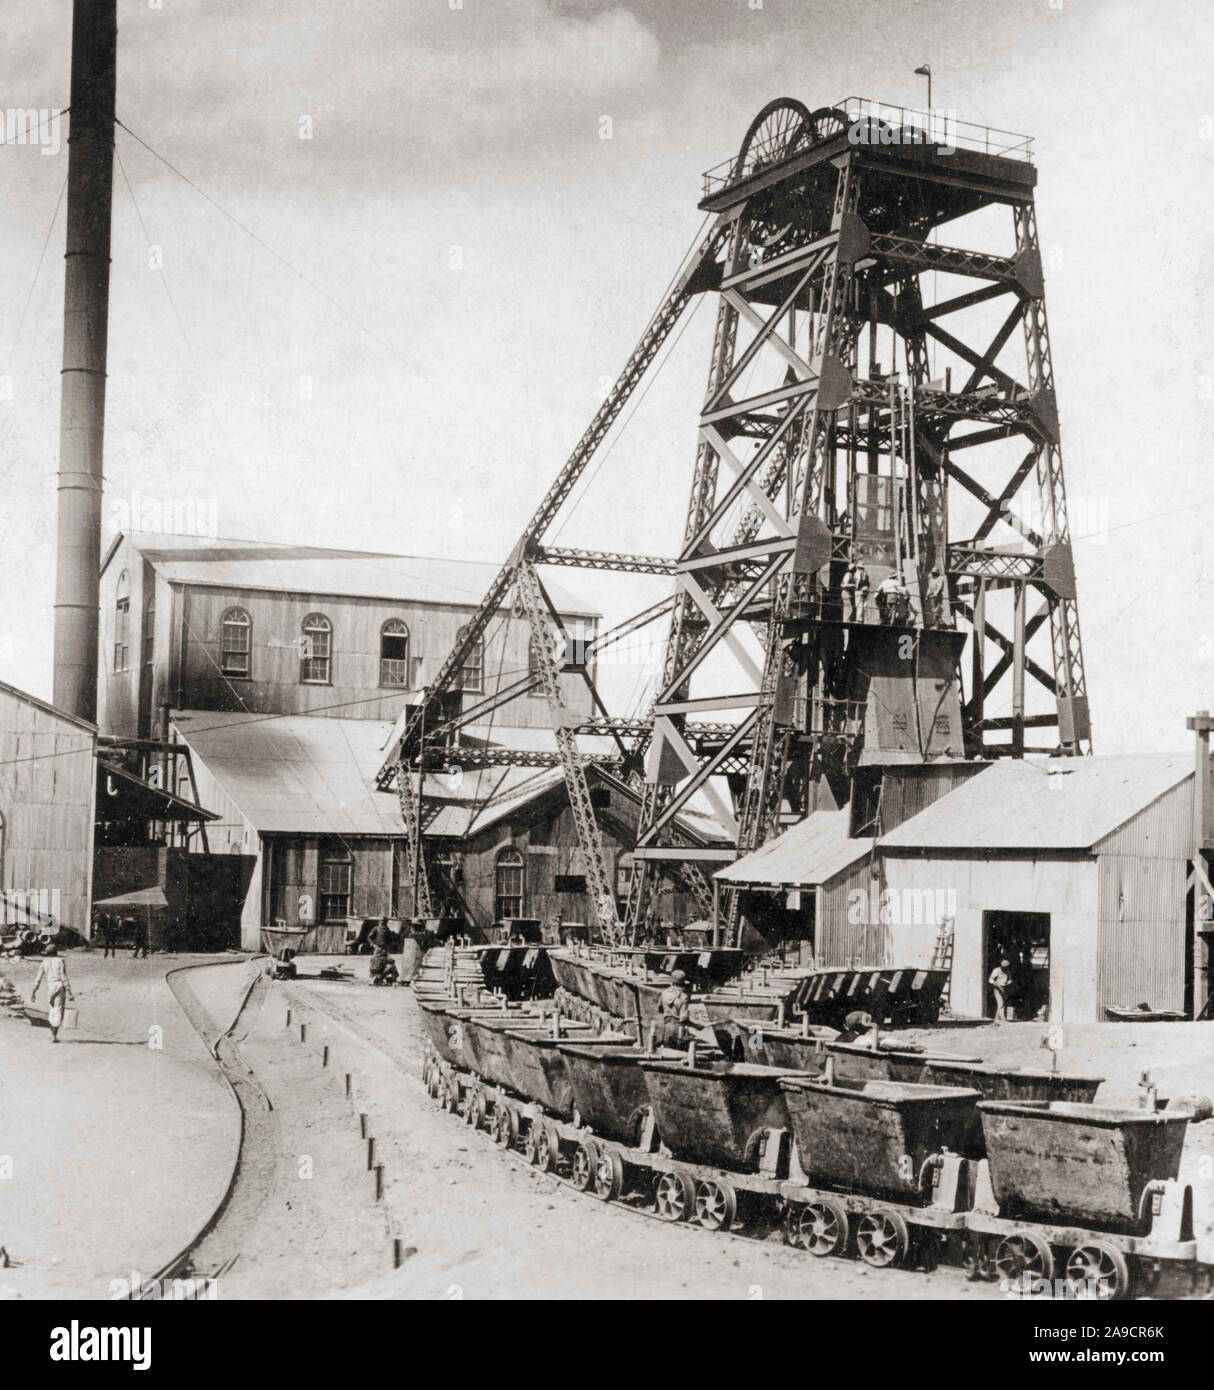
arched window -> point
(316, 650)
(122, 622)
(336, 872)
(235, 643)
(394, 653)
(509, 887)
(149, 624)
(472, 673)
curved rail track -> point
(215, 1248)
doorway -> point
(1023, 940)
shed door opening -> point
(1023, 940)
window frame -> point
(242, 623)
(509, 860)
(149, 626)
(122, 623)
(313, 625)
(333, 855)
(477, 665)
(404, 662)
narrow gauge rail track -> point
(940, 1226)
(215, 1248)
(755, 1206)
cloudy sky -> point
(450, 261)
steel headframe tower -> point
(825, 440)
(839, 446)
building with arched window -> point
(510, 885)
(316, 650)
(235, 643)
(394, 652)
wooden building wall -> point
(185, 671)
(47, 796)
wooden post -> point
(1203, 835)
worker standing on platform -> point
(934, 601)
(674, 1008)
(855, 592)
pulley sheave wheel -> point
(781, 129)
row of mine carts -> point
(898, 1157)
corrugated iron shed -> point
(1043, 803)
(809, 853)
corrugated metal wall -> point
(907, 791)
(1143, 937)
(842, 941)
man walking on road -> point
(141, 938)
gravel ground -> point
(105, 1182)
(120, 1147)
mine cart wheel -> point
(674, 1196)
(716, 1204)
(477, 1108)
(449, 1098)
(434, 1080)
(507, 1131)
(547, 1147)
(608, 1175)
(531, 1144)
(821, 1227)
(1103, 1269)
(882, 1238)
(1024, 1253)
(585, 1161)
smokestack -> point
(90, 173)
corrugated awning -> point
(812, 852)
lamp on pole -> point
(926, 71)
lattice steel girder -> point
(602, 896)
(603, 560)
(700, 274)
(992, 564)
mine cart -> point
(903, 996)
(518, 972)
(1009, 1083)
(609, 1092)
(1086, 1192)
(862, 1062)
(715, 1111)
(882, 1165)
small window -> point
(122, 622)
(623, 877)
(149, 627)
(510, 886)
(235, 644)
(316, 650)
(472, 673)
(336, 872)
(394, 653)
(600, 797)
(570, 883)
